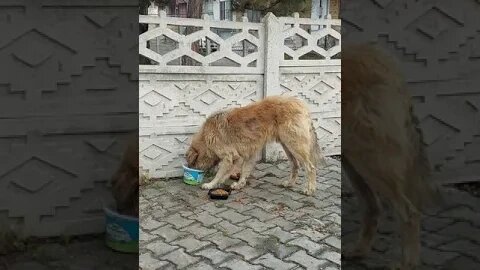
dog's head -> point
(199, 156)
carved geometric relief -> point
(167, 127)
(65, 99)
(435, 44)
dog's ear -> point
(192, 155)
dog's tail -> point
(315, 151)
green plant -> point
(10, 241)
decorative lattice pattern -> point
(310, 42)
(202, 44)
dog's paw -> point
(207, 186)
(237, 185)
(308, 191)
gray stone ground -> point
(450, 233)
(90, 253)
(263, 226)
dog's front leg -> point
(247, 168)
(224, 168)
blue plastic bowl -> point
(192, 176)
(121, 231)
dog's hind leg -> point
(410, 230)
(370, 215)
(301, 152)
(295, 165)
(247, 168)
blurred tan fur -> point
(382, 147)
(125, 182)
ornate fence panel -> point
(63, 113)
(437, 45)
(193, 67)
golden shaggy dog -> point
(125, 181)
(234, 138)
(381, 147)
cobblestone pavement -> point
(263, 226)
(450, 233)
(89, 253)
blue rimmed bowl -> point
(192, 176)
(121, 231)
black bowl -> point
(219, 197)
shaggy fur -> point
(381, 147)
(237, 136)
(126, 180)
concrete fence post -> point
(271, 80)
(273, 43)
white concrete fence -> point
(191, 68)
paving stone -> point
(466, 247)
(201, 266)
(270, 261)
(212, 208)
(251, 237)
(434, 224)
(436, 257)
(282, 235)
(199, 230)
(260, 214)
(462, 212)
(314, 235)
(332, 256)
(214, 255)
(190, 243)
(273, 188)
(178, 221)
(159, 248)
(233, 216)
(237, 264)
(147, 262)
(246, 251)
(145, 236)
(227, 228)
(305, 260)
(307, 244)
(169, 266)
(168, 233)
(186, 213)
(150, 193)
(151, 224)
(223, 241)
(282, 251)
(286, 225)
(239, 207)
(295, 195)
(464, 263)
(206, 218)
(180, 258)
(256, 225)
(461, 230)
(263, 226)
(334, 242)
